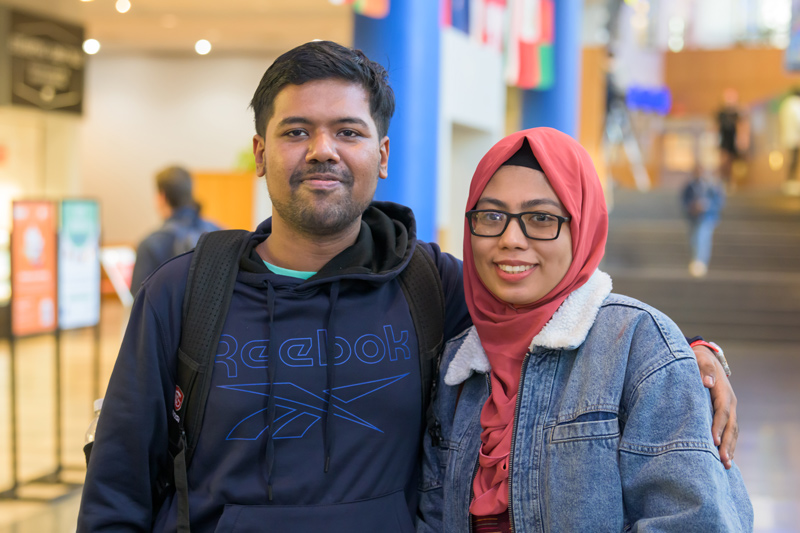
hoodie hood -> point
(384, 246)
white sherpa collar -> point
(567, 329)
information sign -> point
(33, 267)
(79, 264)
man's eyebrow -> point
(527, 204)
(352, 120)
(293, 120)
(305, 121)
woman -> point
(565, 407)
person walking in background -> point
(182, 224)
(789, 119)
(702, 199)
(733, 134)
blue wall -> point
(406, 43)
(557, 107)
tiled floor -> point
(765, 377)
(768, 453)
(46, 508)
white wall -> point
(472, 97)
(143, 113)
(39, 156)
(635, 64)
(713, 24)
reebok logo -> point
(369, 348)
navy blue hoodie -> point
(361, 417)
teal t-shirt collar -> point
(291, 273)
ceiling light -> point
(675, 43)
(91, 46)
(123, 6)
(775, 160)
(202, 47)
(677, 25)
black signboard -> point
(45, 61)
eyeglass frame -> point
(518, 216)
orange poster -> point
(33, 268)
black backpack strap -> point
(209, 288)
(422, 286)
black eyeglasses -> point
(535, 225)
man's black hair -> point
(176, 184)
(322, 60)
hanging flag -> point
(447, 13)
(547, 71)
(376, 9)
(459, 18)
(547, 19)
(529, 46)
(490, 26)
(547, 76)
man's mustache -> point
(298, 176)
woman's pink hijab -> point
(506, 332)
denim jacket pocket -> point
(583, 429)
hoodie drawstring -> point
(272, 364)
(330, 363)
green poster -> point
(79, 264)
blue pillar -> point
(558, 107)
(406, 43)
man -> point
(733, 134)
(182, 224)
(335, 448)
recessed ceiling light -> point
(202, 47)
(91, 46)
(123, 6)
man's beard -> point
(325, 212)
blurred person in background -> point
(702, 200)
(789, 119)
(182, 224)
(733, 133)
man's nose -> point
(322, 149)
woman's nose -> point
(513, 237)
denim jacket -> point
(612, 429)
